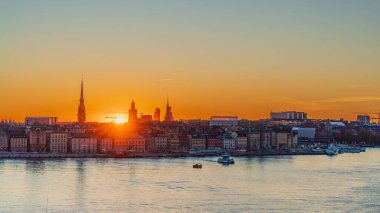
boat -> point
(351, 149)
(332, 150)
(197, 166)
(226, 159)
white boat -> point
(332, 150)
(226, 159)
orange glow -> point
(120, 121)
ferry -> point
(226, 159)
(332, 150)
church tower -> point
(132, 116)
(81, 107)
(169, 115)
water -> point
(343, 183)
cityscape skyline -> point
(131, 115)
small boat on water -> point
(197, 166)
(226, 159)
(332, 150)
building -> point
(229, 144)
(84, 144)
(266, 139)
(131, 143)
(288, 115)
(224, 121)
(253, 141)
(105, 145)
(174, 143)
(284, 140)
(169, 115)
(305, 134)
(58, 142)
(3, 142)
(184, 142)
(197, 143)
(363, 119)
(213, 143)
(241, 143)
(18, 143)
(157, 144)
(156, 116)
(81, 108)
(37, 140)
(132, 115)
(146, 118)
(30, 121)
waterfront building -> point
(288, 115)
(266, 139)
(3, 141)
(241, 143)
(30, 121)
(174, 143)
(37, 140)
(83, 144)
(157, 144)
(132, 115)
(184, 142)
(58, 142)
(213, 143)
(105, 145)
(19, 143)
(305, 134)
(169, 115)
(253, 141)
(81, 108)
(284, 140)
(229, 144)
(156, 116)
(197, 143)
(224, 121)
(131, 143)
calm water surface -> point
(343, 183)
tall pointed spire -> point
(169, 114)
(81, 107)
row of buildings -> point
(41, 140)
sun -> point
(119, 120)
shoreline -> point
(28, 155)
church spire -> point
(81, 107)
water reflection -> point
(348, 182)
(35, 165)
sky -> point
(209, 57)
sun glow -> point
(119, 120)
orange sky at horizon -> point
(243, 58)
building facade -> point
(80, 144)
(197, 143)
(3, 142)
(105, 145)
(37, 140)
(58, 142)
(30, 121)
(229, 144)
(157, 144)
(18, 143)
(241, 143)
(213, 143)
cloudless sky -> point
(216, 57)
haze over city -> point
(244, 58)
